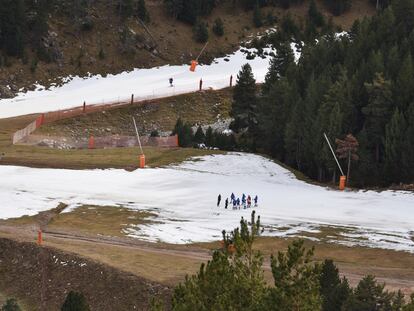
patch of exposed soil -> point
(41, 277)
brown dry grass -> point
(100, 220)
(160, 267)
(394, 268)
(127, 158)
(161, 114)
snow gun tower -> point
(194, 63)
(142, 155)
(342, 178)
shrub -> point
(218, 27)
(201, 32)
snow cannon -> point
(194, 62)
(193, 65)
(342, 182)
(142, 161)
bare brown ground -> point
(168, 264)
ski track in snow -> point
(184, 196)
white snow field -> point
(184, 196)
(143, 83)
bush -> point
(75, 302)
(155, 133)
(201, 32)
(11, 305)
(142, 11)
(87, 24)
(33, 65)
(199, 136)
(184, 132)
(218, 27)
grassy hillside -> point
(201, 107)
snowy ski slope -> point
(143, 83)
(184, 197)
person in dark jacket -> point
(226, 203)
(232, 197)
(218, 200)
(171, 82)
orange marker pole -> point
(39, 237)
(91, 143)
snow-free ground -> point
(184, 197)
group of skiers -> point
(245, 202)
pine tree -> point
(296, 280)
(279, 65)
(338, 7)
(209, 137)
(273, 115)
(404, 84)
(294, 135)
(75, 302)
(218, 27)
(334, 291)
(377, 112)
(394, 145)
(404, 15)
(201, 32)
(232, 280)
(347, 149)
(257, 17)
(142, 11)
(125, 8)
(369, 295)
(199, 136)
(408, 151)
(332, 115)
(244, 99)
(315, 17)
(12, 25)
(184, 133)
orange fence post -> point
(342, 181)
(39, 237)
(142, 161)
(91, 144)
